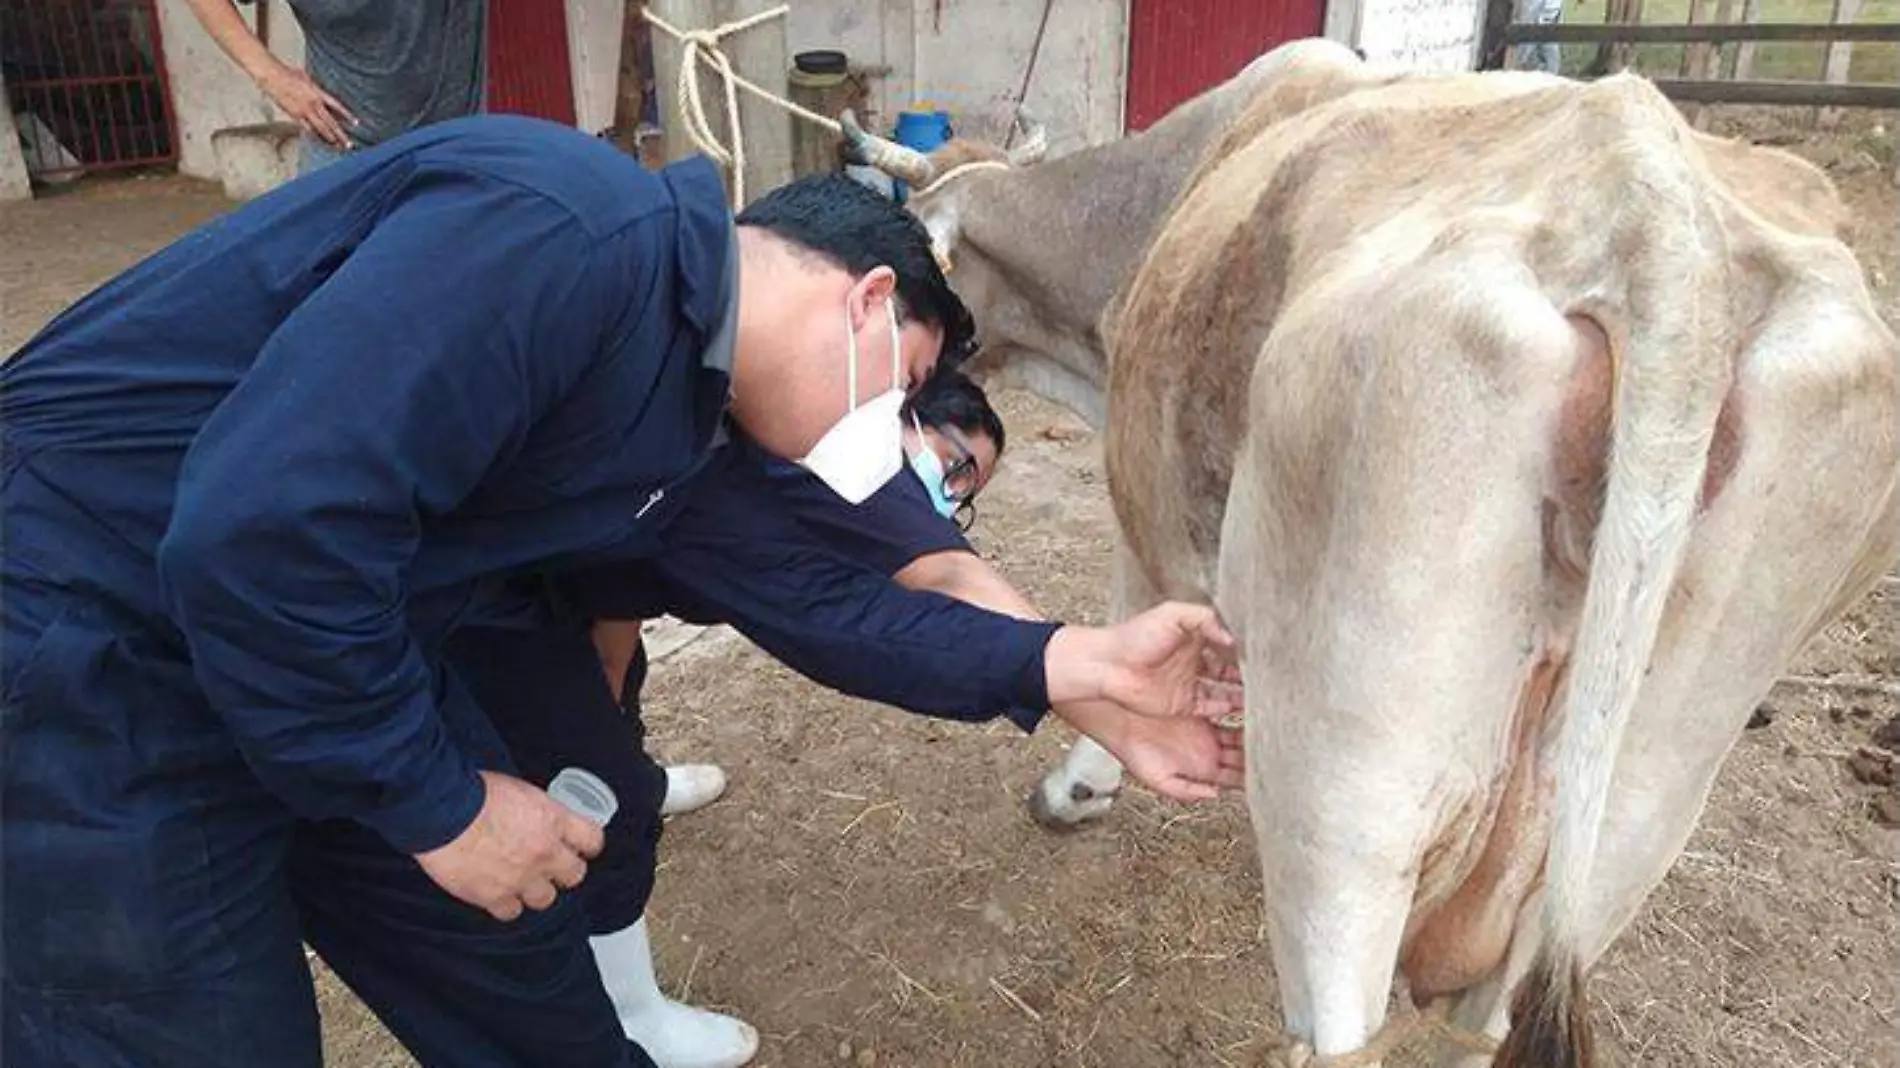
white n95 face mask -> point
(865, 449)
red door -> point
(1178, 49)
(528, 65)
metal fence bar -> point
(1700, 33)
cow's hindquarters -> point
(1384, 552)
(1805, 521)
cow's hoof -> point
(1064, 809)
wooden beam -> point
(1578, 33)
(1805, 94)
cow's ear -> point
(945, 230)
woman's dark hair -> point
(949, 398)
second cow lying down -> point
(1522, 433)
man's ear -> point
(869, 294)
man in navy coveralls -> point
(253, 482)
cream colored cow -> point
(1523, 435)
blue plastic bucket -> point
(922, 130)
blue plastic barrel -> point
(923, 130)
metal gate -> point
(86, 81)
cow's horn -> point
(1035, 140)
(869, 150)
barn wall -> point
(968, 57)
(14, 183)
(1420, 34)
(593, 45)
(208, 91)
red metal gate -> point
(529, 72)
(1180, 48)
(87, 80)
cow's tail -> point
(1670, 373)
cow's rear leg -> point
(1084, 785)
(1334, 923)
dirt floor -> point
(871, 890)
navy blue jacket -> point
(764, 541)
(309, 437)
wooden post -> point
(1694, 59)
(760, 56)
(1724, 15)
(1695, 56)
(1745, 52)
(1620, 12)
(1493, 53)
(1840, 56)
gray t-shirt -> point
(397, 64)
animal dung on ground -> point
(1872, 766)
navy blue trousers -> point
(549, 700)
(154, 894)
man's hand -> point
(1183, 758)
(305, 101)
(522, 849)
(1172, 660)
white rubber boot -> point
(674, 1035)
(691, 786)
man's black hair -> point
(858, 229)
(949, 398)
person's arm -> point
(1183, 758)
(967, 577)
(376, 406)
(1136, 687)
(616, 642)
(291, 89)
(854, 630)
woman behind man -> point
(546, 693)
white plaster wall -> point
(1441, 35)
(14, 183)
(968, 57)
(209, 91)
(593, 45)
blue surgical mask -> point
(929, 468)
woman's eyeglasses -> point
(960, 479)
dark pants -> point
(154, 893)
(548, 698)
